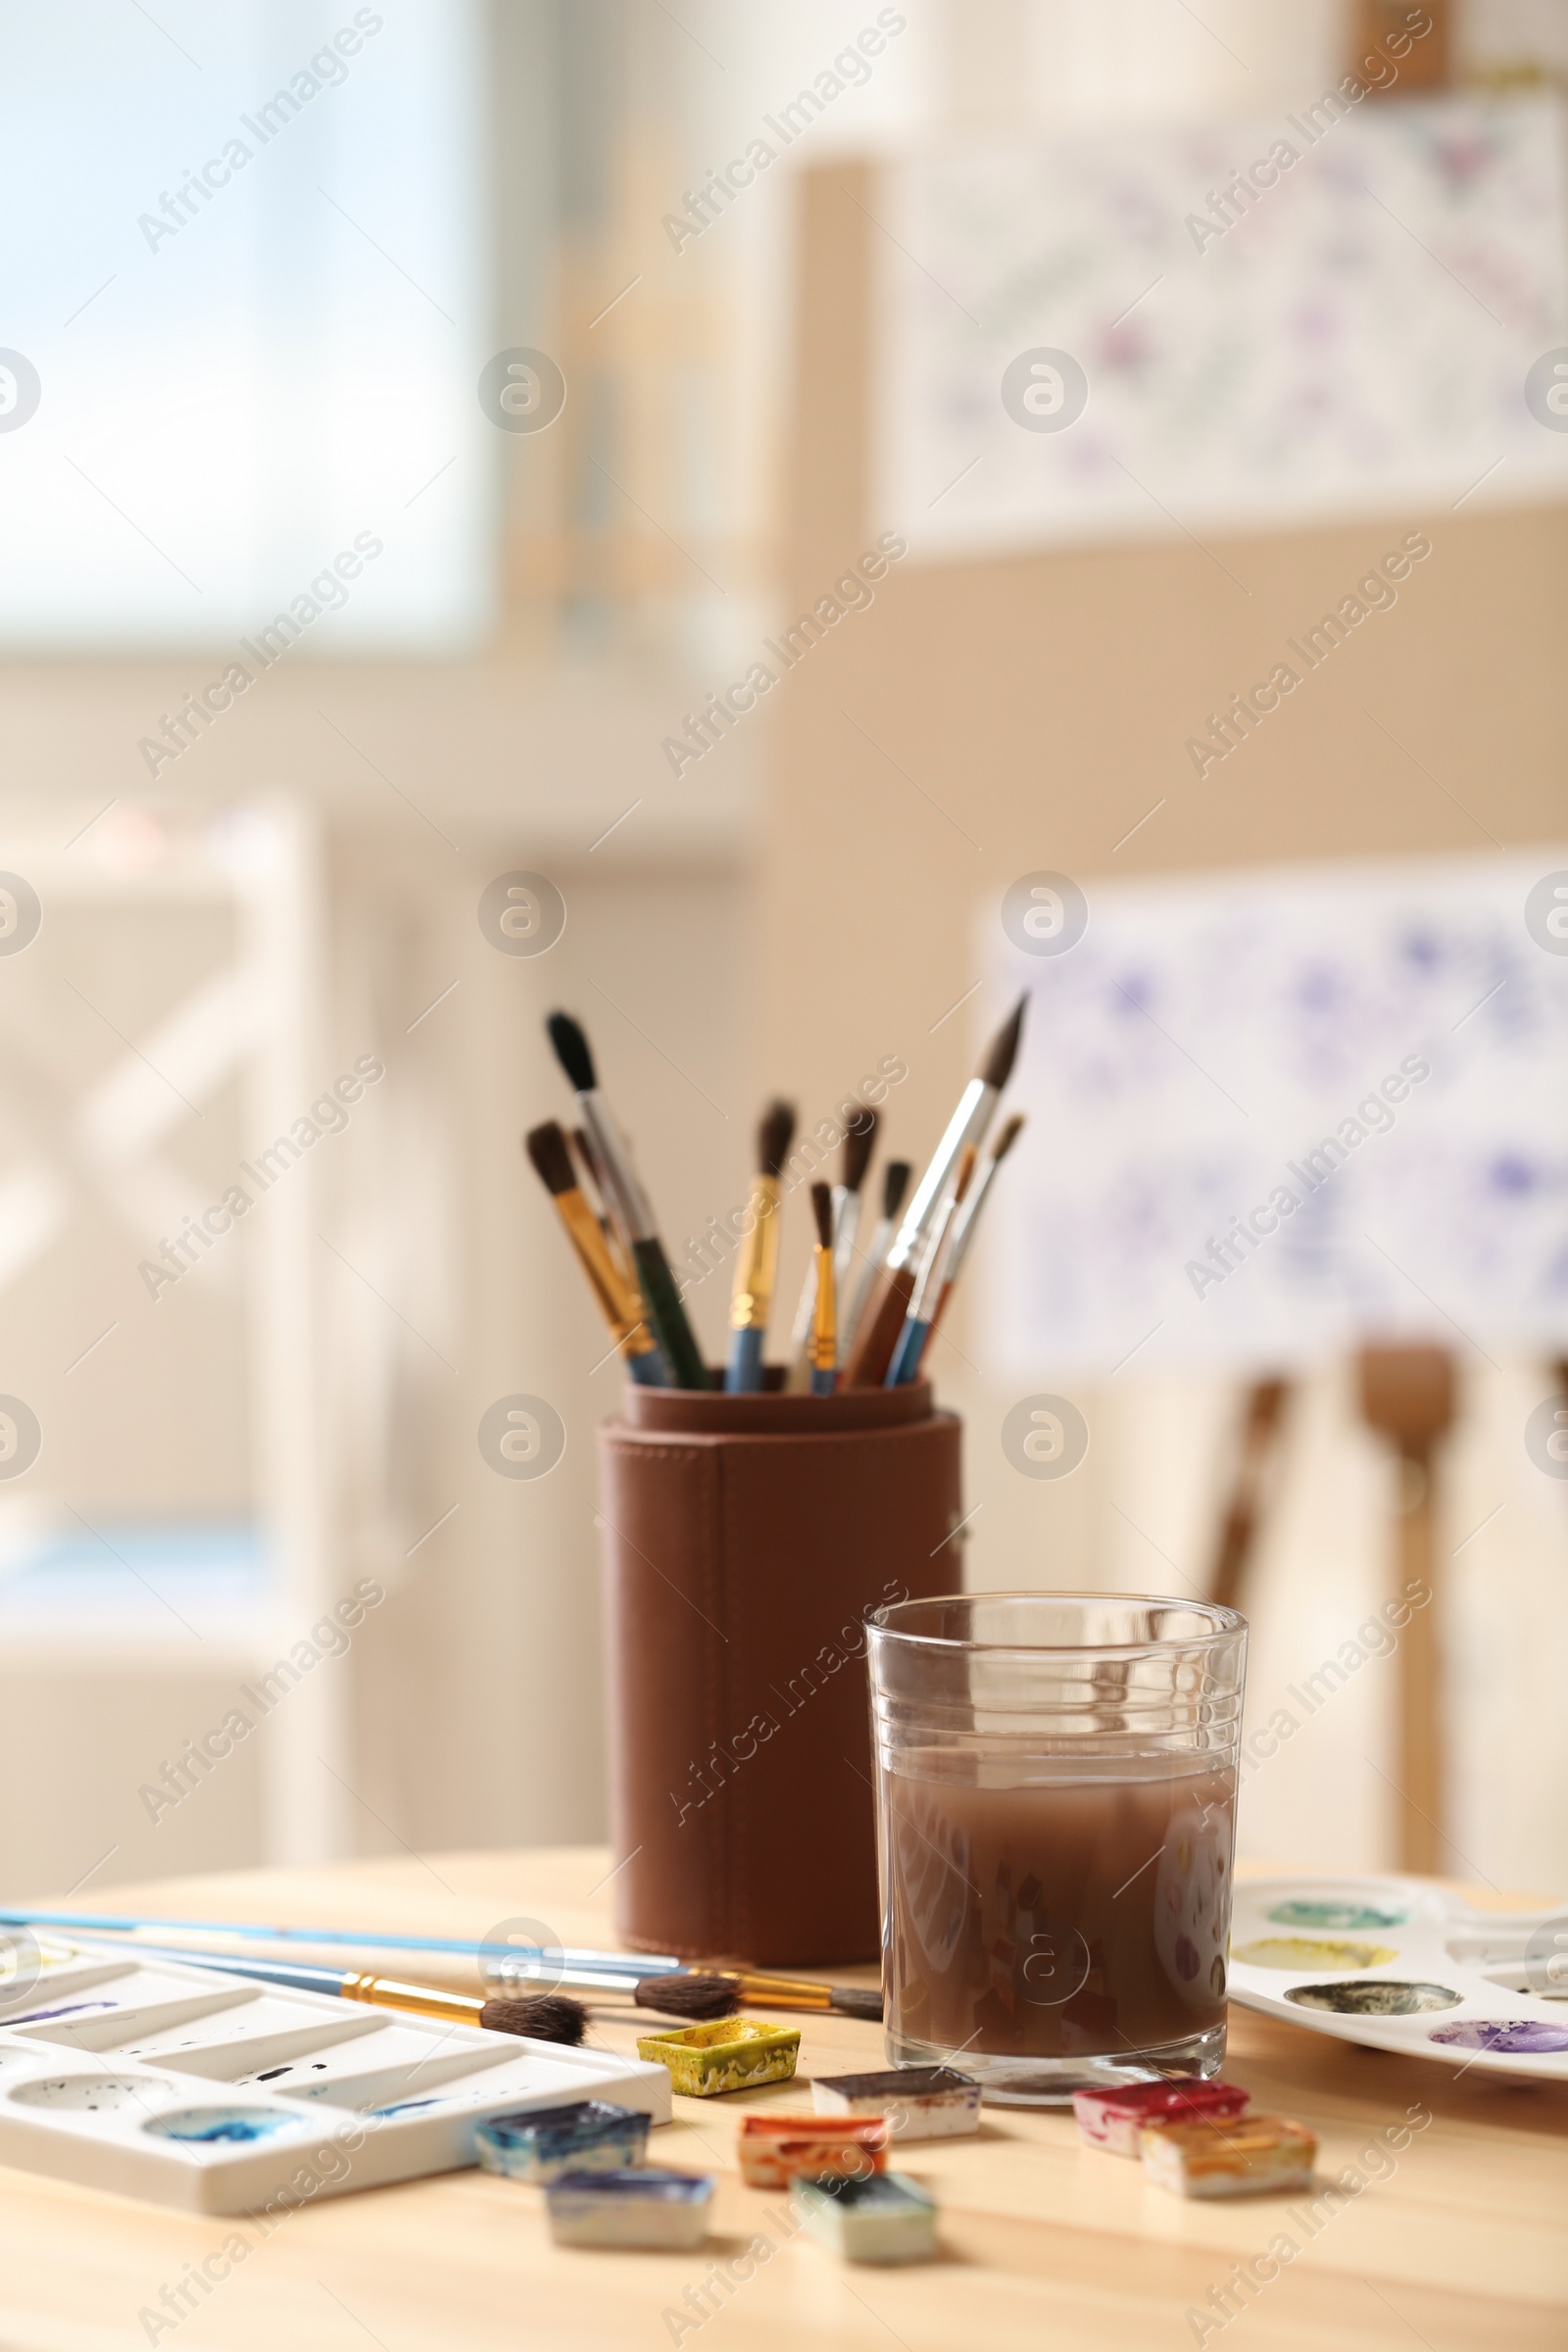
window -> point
(247, 288)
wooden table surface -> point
(1462, 2245)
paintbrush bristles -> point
(894, 1184)
(775, 1132)
(571, 1052)
(547, 1149)
(1008, 1137)
(688, 1992)
(822, 1211)
(858, 1145)
(539, 2016)
(1003, 1052)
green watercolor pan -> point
(1399, 1964)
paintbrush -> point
(753, 1988)
(620, 1307)
(629, 1208)
(539, 2016)
(968, 1218)
(758, 1262)
(593, 1192)
(859, 1142)
(586, 1970)
(928, 1281)
(825, 1318)
(889, 1302)
(894, 1184)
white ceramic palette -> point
(1400, 1965)
(205, 2091)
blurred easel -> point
(1407, 1395)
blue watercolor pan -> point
(588, 2136)
(644, 2207)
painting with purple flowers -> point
(1273, 1114)
(1128, 332)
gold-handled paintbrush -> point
(622, 1309)
(824, 1312)
(758, 1264)
(630, 1206)
(859, 1142)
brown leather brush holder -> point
(746, 1539)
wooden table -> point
(1463, 2246)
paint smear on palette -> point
(40, 1955)
(203, 2125)
(401, 2107)
(1520, 2037)
(1340, 1918)
(1296, 1953)
(35, 2017)
(1374, 1999)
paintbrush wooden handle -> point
(667, 1315)
(1423, 1845)
(879, 1330)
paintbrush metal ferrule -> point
(967, 1127)
(620, 1307)
(625, 1196)
(876, 1340)
(963, 1224)
(824, 1329)
(594, 1192)
(846, 1218)
(422, 2001)
(962, 1238)
(757, 1267)
(917, 1323)
(629, 1208)
(871, 1265)
(846, 1231)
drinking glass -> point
(1055, 1783)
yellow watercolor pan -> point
(1300, 1953)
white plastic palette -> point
(205, 2090)
(1495, 1984)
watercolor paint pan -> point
(1398, 1964)
(224, 2096)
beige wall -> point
(1044, 702)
